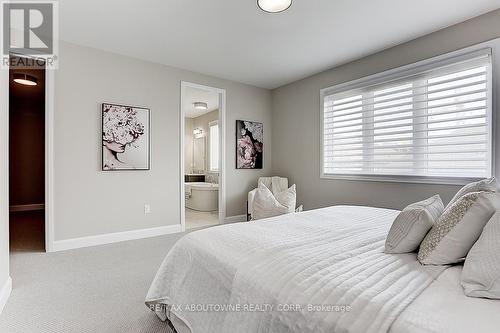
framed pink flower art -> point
(125, 137)
(249, 144)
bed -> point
(323, 270)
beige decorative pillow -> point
(412, 224)
(481, 273)
(488, 185)
(265, 204)
(458, 229)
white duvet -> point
(316, 271)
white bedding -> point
(332, 256)
(444, 308)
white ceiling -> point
(192, 95)
(233, 39)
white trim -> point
(401, 72)
(4, 191)
(222, 155)
(76, 243)
(24, 208)
(222, 151)
(5, 293)
(182, 172)
(403, 179)
(49, 159)
(235, 219)
(488, 47)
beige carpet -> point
(98, 289)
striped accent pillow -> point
(412, 224)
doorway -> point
(27, 160)
(202, 155)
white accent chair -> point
(279, 184)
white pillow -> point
(412, 224)
(488, 185)
(481, 273)
(458, 229)
(265, 204)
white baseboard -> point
(76, 243)
(235, 219)
(5, 293)
(24, 208)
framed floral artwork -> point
(125, 137)
(249, 144)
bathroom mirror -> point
(199, 154)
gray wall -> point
(296, 147)
(4, 177)
(90, 202)
(204, 120)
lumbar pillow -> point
(488, 185)
(481, 273)
(412, 224)
(458, 229)
(265, 204)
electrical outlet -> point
(147, 209)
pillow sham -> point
(488, 185)
(458, 229)
(265, 204)
(481, 272)
(412, 224)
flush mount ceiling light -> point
(25, 79)
(200, 105)
(274, 6)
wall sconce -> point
(197, 131)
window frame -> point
(398, 74)
(211, 124)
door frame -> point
(222, 150)
(49, 159)
(49, 153)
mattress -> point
(288, 267)
(443, 307)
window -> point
(427, 122)
(214, 146)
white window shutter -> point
(433, 123)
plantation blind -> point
(436, 122)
